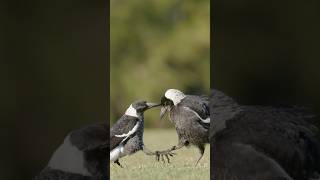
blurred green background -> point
(156, 45)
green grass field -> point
(182, 165)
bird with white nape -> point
(191, 116)
(126, 135)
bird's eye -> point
(168, 103)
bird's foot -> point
(164, 154)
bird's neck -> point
(177, 99)
(133, 112)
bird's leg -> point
(117, 162)
(147, 151)
(168, 152)
(158, 154)
(201, 150)
(179, 146)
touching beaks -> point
(163, 111)
(151, 105)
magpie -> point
(126, 135)
(262, 142)
(81, 156)
(191, 116)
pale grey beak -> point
(152, 105)
(163, 111)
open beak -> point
(163, 111)
(152, 105)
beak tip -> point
(151, 105)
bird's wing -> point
(90, 137)
(185, 113)
(123, 129)
(199, 105)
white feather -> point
(203, 120)
(131, 112)
(132, 131)
(174, 95)
(116, 153)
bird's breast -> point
(116, 153)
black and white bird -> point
(191, 116)
(126, 135)
(82, 156)
(259, 142)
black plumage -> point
(258, 142)
(124, 125)
(191, 116)
(82, 156)
(126, 135)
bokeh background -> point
(156, 45)
(267, 52)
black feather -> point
(122, 126)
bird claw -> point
(118, 163)
(164, 155)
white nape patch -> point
(69, 158)
(203, 120)
(131, 112)
(175, 95)
(132, 131)
(116, 153)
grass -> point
(182, 166)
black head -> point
(141, 106)
(166, 102)
(166, 106)
(172, 97)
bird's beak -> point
(163, 111)
(152, 105)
